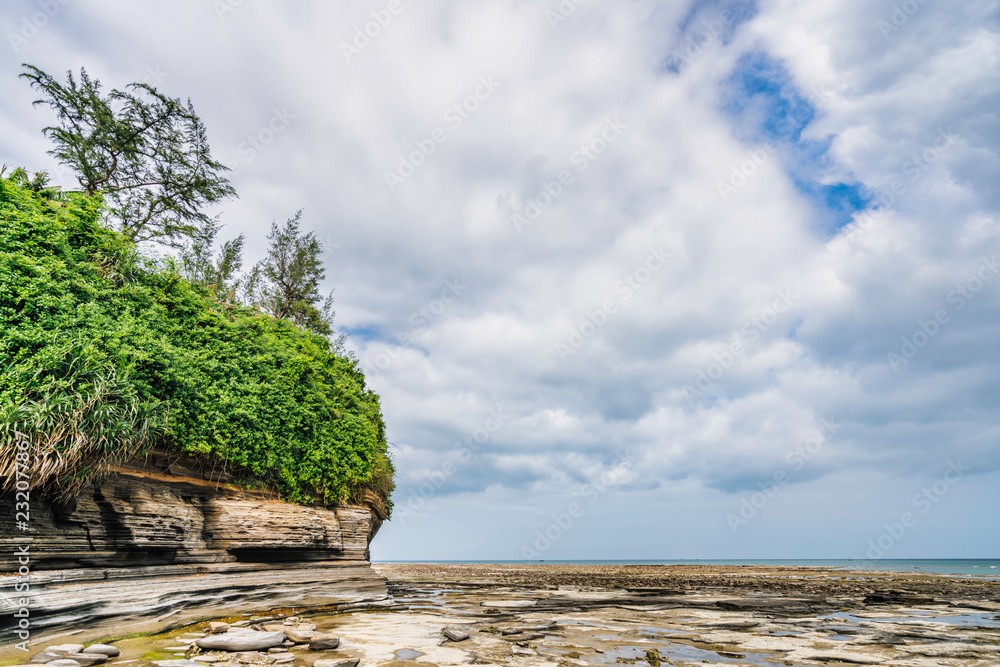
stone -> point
(351, 662)
(218, 627)
(87, 659)
(206, 658)
(299, 637)
(455, 635)
(282, 659)
(176, 663)
(103, 649)
(324, 643)
(306, 627)
(275, 627)
(248, 640)
(511, 631)
(64, 662)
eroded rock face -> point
(165, 541)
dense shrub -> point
(104, 353)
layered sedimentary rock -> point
(165, 543)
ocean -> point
(962, 567)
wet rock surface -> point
(577, 616)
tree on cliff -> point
(146, 153)
(285, 284)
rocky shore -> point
(581, 616)
(164, 543)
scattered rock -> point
(87, 659)
(276, 627)
(353, 662)
(455, 635)
(299, 636)
(103, 649)
(176, 663)
(306, 627)
(283, 659)
(278, 649)
(508, 604)
(64, 662)
(324, 643)
(218, 627)
(249, 640)
(207, 658)
(511, 631)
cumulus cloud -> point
(674, 240)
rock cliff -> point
(164, 543)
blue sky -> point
(655, 279)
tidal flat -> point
(582, 615)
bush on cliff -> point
(105, 353)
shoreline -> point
(548, 615)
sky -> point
(635, 279)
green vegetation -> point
(105, 353)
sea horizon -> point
(980, 567)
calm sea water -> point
(981, 567)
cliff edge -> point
(163, 543)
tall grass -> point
(81, 419)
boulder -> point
(324, 643)
(455, 635)
(218, 627)
(299, 636)
(103, 649)
(248, 640)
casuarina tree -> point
(146, 153)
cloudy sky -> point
(641, 279)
